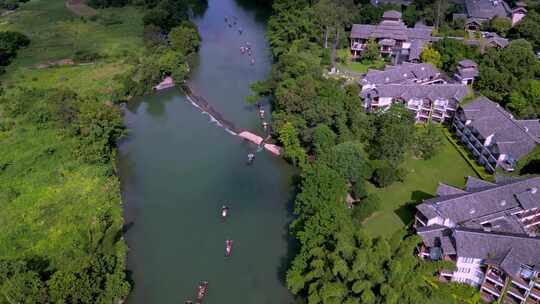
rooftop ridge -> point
(483, 190)
(498, 233)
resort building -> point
(480, 11)
(489, 231)
(406, 73)
(435, 103)
(467, 71)
(493, 136)
(393, 37)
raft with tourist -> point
(202, 290)
(228, 248)
(224, 212)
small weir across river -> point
(178, 167)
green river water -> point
(178, 167)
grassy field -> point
(359, 67)
(48, 195)
(57, 33)
(53, 203)
(421, 181)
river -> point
(178, 167)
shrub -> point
(366, 207)
(85, 56)
(386, 174)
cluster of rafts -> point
(244, 49)
(202, 288)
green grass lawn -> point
(360, 67)
(421, 182)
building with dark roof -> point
(467, 71)
(406, 73)
(435, 103)
(392, 35)
(489, 230)
(479, 11)
(493, 136)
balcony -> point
(494, 278)
(357, 46)
(487, 297)
(532, 221)
(516, 292)
(531, 301)
(535, 293)
(511, 300)
(492, 289)
(528, 214)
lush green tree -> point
(394, 133)
(386, 174)
(185, 39)
(98, 140)
(428, 140)
(95, 281)
(19, 284)
(504, 71)
(529, 29)
(323, 139)
(371, 52)
(452, 51)
(10, 43)
(366, 207)
(291, 21)
(431, 55)
(350, 161)
(500, 25)
(292, 150)
(410, 16)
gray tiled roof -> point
(467, 63)
(532, 126)
(405, 73)
(392, 15)
(451, 92)
(391, 29)
(467, 69)
(509, 250)
(510, 136)
(474, 183)
(417, 45)
(444, 190)
(484, 202)
(487, 9)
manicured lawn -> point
(360, 67)
(421, 182)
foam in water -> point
(212, 118)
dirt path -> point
(79, 8)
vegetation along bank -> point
(66, 69)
